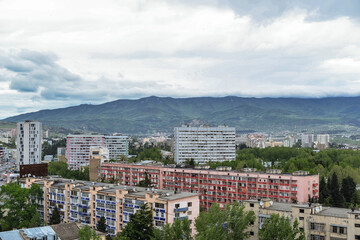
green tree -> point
(19, 206)
(179, 230)
(279, 228)
(55, 217)
(101, 227)
(336, 199)
(348, 188)
(146, 182)
(323, 191)
(140, 226)
(231, 223)
(86, 233)
(36, 221)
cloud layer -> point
(55, 54)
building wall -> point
(117, 145)
(318, 222)
(217, 186)
(78, 149)
(204, 144)
(29, 142)
(86, 202)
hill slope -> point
(163, 114)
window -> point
(189, 213)
(251, 233)
(334, 229)
(301, 218)
(357, 225)
(177, 205)
(301, 210)
(251, 205)
(189, 204)
(357, 236)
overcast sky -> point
(63, 53)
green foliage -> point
(19, 206)
(279, 228)
(190, 162)
(348, 189)
(35, 221)
(48, 149)
(150, 154)
(179, 230)
(140, 226)
(55, 217)
(231, 223)
(101, 227)
(61, 169)
(86, 233)
(336, 199)
(146, 182)
(324, 193)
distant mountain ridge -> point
(162, 114)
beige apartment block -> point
(318, 222)
(85, 202)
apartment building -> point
(322, 141)
(78, 148)
(86, 202)
(28, 142)
(97, 156)
(307, 140)
(204, 144)
(118, 146)
(221, 186)
(318, 222)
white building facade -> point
(78, 148)
(118, 146)
(28, 141)
(204, 144)
(307, 140)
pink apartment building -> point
(219, 186)
(78, 149)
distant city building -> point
(28, 141)
(322, 141)
(4, 154)
(204, 144)
(307, 140)
(117, 146)
(48, 158)
(256, 141)
(61, 151)
(273, 144)
(78, 148)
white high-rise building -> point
(117, 146)
(322, 141)
(307, 140)
(78, 148)
(28, 141)
(204, 144)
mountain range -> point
(162, 114)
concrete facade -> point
(204, 144)
(28, 143)
(218, 186)
(86, 202)
(318, 222)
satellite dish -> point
(261, 203)
(317, 209)
(271, 202)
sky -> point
(63, 53)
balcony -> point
(180, 218)
(184, 209)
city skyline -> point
(63, 53)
